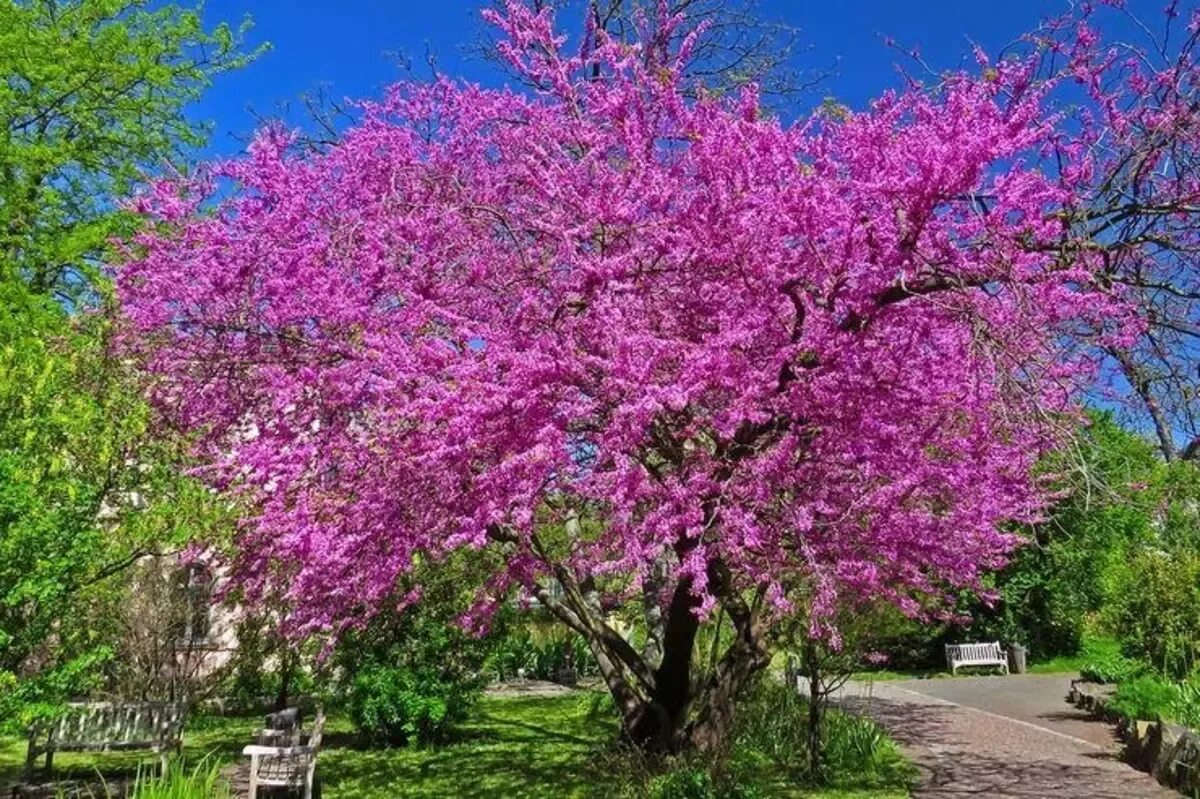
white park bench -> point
(108, 727)
(291, 765)
(992, 654)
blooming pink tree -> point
(666, 353)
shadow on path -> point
(963, 751)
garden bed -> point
(1168, 751)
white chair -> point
(291, 767)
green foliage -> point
(1111, 670)
(541, 654)
(85, 490)
(772, 726)
(768, 756)
(395, 706)
(267, 669)
(250, 679)
(1071, 566)
(413, 674)
(201, 781)
(1157, 611)
(1186, 709)
(693, 781)
(93, 97)
(1149, 698)
(683, 783)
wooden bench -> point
(108, 727)
(290, 766)
(991, 654)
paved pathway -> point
(1002, 737)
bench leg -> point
(253, 792)
(30, 757)
(310, 777)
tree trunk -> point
(677, 711)
(815, 696)
(660, 722)
(287, 663)
(663, 709)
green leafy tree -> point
(1157, 612)
(1067, 573)
(86, 490)
(92, 98)
(1112, 552)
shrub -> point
(682, 777)
(412, 674)
(684, 783)
(1146, 698)
(1187, 703)
(394, 705)
(858, 751)
(768, 755)
(541, 654)
(1111, 669)
(1155, 614)
(772, 728)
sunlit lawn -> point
(545, 747)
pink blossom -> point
(826, 353)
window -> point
(196, 582)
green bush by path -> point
(1148, 698)
(413, 674)
(1157, 615)
(772, 730)
(1187, 703)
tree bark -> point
(815, 696)
(664, 709)
(660, 724)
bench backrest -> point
(973, 653)
(118, 723)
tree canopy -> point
(645, 341)
(91, 101)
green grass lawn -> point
(549, 748)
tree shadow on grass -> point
(505, 771)
(540, 731)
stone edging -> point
(1169, 752)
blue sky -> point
(348, 47)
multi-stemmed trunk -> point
(665, 705)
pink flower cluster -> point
(825, 354)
